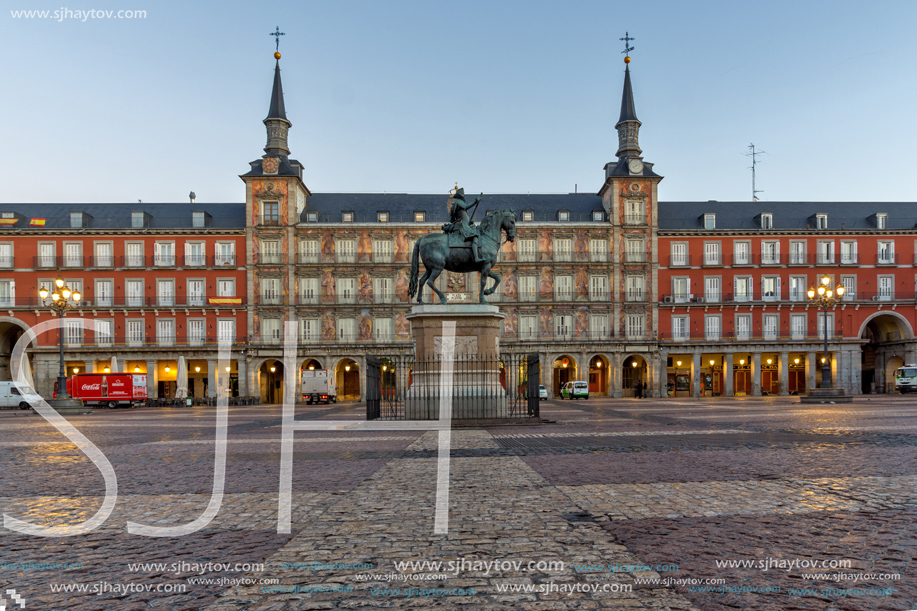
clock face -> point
(635, 166)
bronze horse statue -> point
(437, 255)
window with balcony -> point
(46, 256)
(196, 332)
(309, 291)
(104, 332)
(225, 253)
(598, 326)
(346, 289)
(73, 254)
(194, 254)
(527, 250)
(770, 252)
(226, 330)
(681, 292)
(383, 251)
(742, 289)
(797, 252)
(770, 324)
(382, 290)
(134, 332)
(7, 293)
(798, 326)
(528, 326)
(598, 250)
(798, 288)
(73, 332)
(849, 253)
(134, 293)
(382, 329)
(270, 330)
(164, 254)
(741, 253)
(825, 252)
(134, 254)
(308, 251)
(886, 288)
(226, 287)
(634, 251)
(165, 332)
(634, 212)
(886, 250)
(712, 289)
(345, 329)
(821, 325)
(563, 288)
(850, 288)
(563, 249)
(679, 254)
(563, 326)
(598, 288)
(104, 255)
(196, 292)
(271, 291)
(165, 292)
(770, 288)
(743, 326)
(712, 327)
(528, 288)
(310, 329)
(712, 255)
(104, 293)
(634, 287)
(6, 255)
(346, 251)
(635, 326)
(270, 252)
(680, 327)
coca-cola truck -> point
(107, 389)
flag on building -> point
(37, 223)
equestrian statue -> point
(462, 247)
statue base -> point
(826, 395)
(68, 407)
(458, 372)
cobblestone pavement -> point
(612, 504)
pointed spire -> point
(276, 122)
(628, 125)
(628, 111)
(277, 110)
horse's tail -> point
(412, 287)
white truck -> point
(317, 386)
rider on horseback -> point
(461, 222)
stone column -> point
(728, 376)
(695, 375)
(663, 373)
(211, 378)
(756, 374)
(616, 375)
(152, 380)
(811, 366)
(783, 373)
(243, 377)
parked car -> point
(542, 392)
(574, 390)
(11, 397)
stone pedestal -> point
(826, 395)
(456, 356)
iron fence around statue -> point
(490, 387)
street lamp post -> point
(824, 297)
(60, 299)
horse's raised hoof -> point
(443, 301)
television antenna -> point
(754, 162)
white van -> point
(11, 397)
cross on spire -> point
(277, 34)
(627, 38)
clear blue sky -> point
(503, 97)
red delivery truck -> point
(108, 389)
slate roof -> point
(277, 110)
(628, 111)
(287, 167)
(118, 216)
(796, 216)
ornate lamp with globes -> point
(825, 296)
(60, 299)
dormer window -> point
(200, 220)
(138, 220)
(881, 220)
(528, 215)
(767, 220)
(382, 217)
(563, 215)
(821, 221)
(420, 216)
(347, 217)
(598, 216)
(709, 221)
(76, 220)
(311, 217)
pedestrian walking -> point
(643, 394)
(637, 388)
